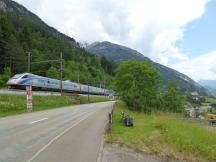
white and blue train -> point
(20, 81)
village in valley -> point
(201, 107)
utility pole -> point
(78, 77)
(48, 61)
(29, 62)
(88, 89)
(78, 80)
(94, 84)
(61, 86)
(104, 82)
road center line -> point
(33, 122)
(59, 135)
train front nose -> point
(12, 82)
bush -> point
(1, 82)
(53, 73)
(138, 85)
(5, 76)
(173, 100)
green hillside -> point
(21, 32)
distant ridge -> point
(208, 83)
(118, 53)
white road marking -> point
(33, 122)
(58, 136)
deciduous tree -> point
(137, 83)
(173, 100)
(53, 73)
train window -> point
(25, 76)
(41, 80)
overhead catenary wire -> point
(48, 61)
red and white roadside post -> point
(29, 98)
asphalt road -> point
(71, 134)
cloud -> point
(33, 5)
(165, 22)
(152, 27)
(201, 67)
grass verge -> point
(16, 104)
(168, 135)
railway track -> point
(38, 93)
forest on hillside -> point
(21, 33)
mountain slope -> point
(15, 8)
(114, 52)
(21, 32)
(210, 85)
(118, 53)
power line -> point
(46, 61)
(38, 62)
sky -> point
(176, 33)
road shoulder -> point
(117, 153)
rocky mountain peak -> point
(3, 5)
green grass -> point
(210, 100)
(167, 135)
(16, 104)
(92, 99)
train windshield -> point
(16, 76)
(26, 76)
